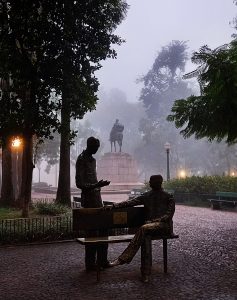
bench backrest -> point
(226, 194)
(95, 218)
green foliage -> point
(48, 150)
(203, 185)
(162, 84)
(57, 45)
(163, 81)
(51, 209)
(26, 107)
(213, 113)
(9, 213)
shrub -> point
(202, 185)
(51, 209)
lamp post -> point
(16, 144)
(167, 148)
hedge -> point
(202, 185)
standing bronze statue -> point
(116, 135)
(86, 180)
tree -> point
(164, 79)
(7, 196)
(161, 85)
(213, 113)
(86, 35)
(47, 150)
(52, 45)
(26, 108)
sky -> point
(152, 24)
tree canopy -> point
(213, 113)
(162, 84)
(163, 80)
(43, 41)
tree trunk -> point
(27, 172)
(64, 190)
(7, 196)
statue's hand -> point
(102, 183)
(107, 207)
(148, 222)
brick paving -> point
(202, 265)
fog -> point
(149, 26)
(152, 24)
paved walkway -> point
(202, 265)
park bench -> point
(224, 198)
(121, 224)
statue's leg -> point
(111, 146)
(115, 146)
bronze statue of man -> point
(86, 180)
(159, 210)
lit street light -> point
(182, 174)
(167, 148)
(16, 144)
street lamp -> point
(182, 173)
(16, 144)
(167, 148)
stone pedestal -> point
(119, 168)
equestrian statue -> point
(116, 135)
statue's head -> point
(117, 120)
(155, 181)
(93, 145)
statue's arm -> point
(130, 203)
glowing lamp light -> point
(182, 174)
(232, 174)
(16, 142)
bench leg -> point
(165, 254)
(215, 205)
(98, 272)
(146, 256)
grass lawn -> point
(9, 213)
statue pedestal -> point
(119, 168)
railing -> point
(44, 229)
(35, 229)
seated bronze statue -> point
(159, 210)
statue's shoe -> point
(116, 262)
(145, 278)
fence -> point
(60, 227)
(45, 229)
(36, 229)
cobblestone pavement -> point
(202, 264)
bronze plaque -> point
(120, 218)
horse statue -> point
(116, 135)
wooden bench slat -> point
(118, 239)
(106, 239)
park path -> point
(202, 265)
